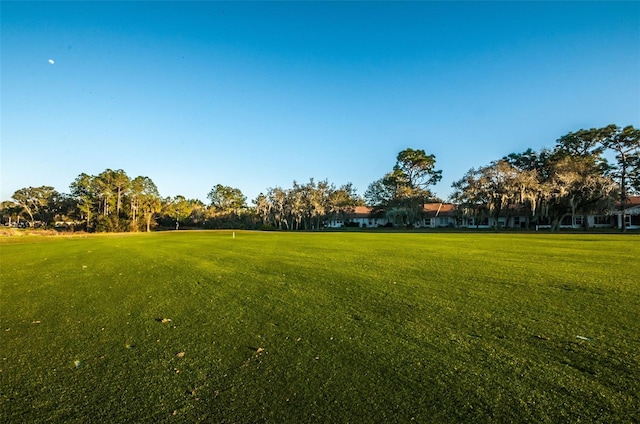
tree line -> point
(575, 177)
(572, 179)
(113, 202)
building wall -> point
(633, 218)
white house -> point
(434, 215)
(442, 215)
(632, 213)
(438, 215)
(361, 216)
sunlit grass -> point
(336, 327)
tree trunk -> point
(585, 222)
(623, 199)
(119, 201)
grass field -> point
(320, 327)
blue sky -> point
(256, 95)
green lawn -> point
(320, 327)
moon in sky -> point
(51, 61)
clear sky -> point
(256, 95)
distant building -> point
(447, 215)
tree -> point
(625, 143)
(199, 212)
(263, 209)
(279, 205)
(10, 212)
(575, 185)
(225, 199)
(417, 170)
(582, 143)
(571, 179)
(305, 206)
(495, 188)
(62, 207)
(342, 201)
(112, 184)
(403, 192)
(178, 208)
(380, 192)
(85, 191)
(122, 184)
(145, 201)
(35, 201)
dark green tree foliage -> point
(10, 213)
(37, 203)
(499, 188)
(305, 206)
(225, 199)
(111, 201)
(85, 192)
(228, 209)
(625, 144)
(145, 203)
(177, 208)
(402, 193)
(573, 179)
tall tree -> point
(571, 179)
(178, 208)
(226, 199)
(277, 198)
(145, 201)
(112, 185)
(122, 184)
(417, 170)
(342, 201)
(583, 143)
(574, 186)
(85, 191)
(625, 143)
(380, 192)
(263, 209)
(498, 188)
(403, 192)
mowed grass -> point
(320, 327)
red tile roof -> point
(430, 209)
(433, 210)
(633, 201)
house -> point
(443, 215)
(433, 215)
(631, 214)
(438, 215)
(361, 216)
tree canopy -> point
(402, 192)
(586, 170)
